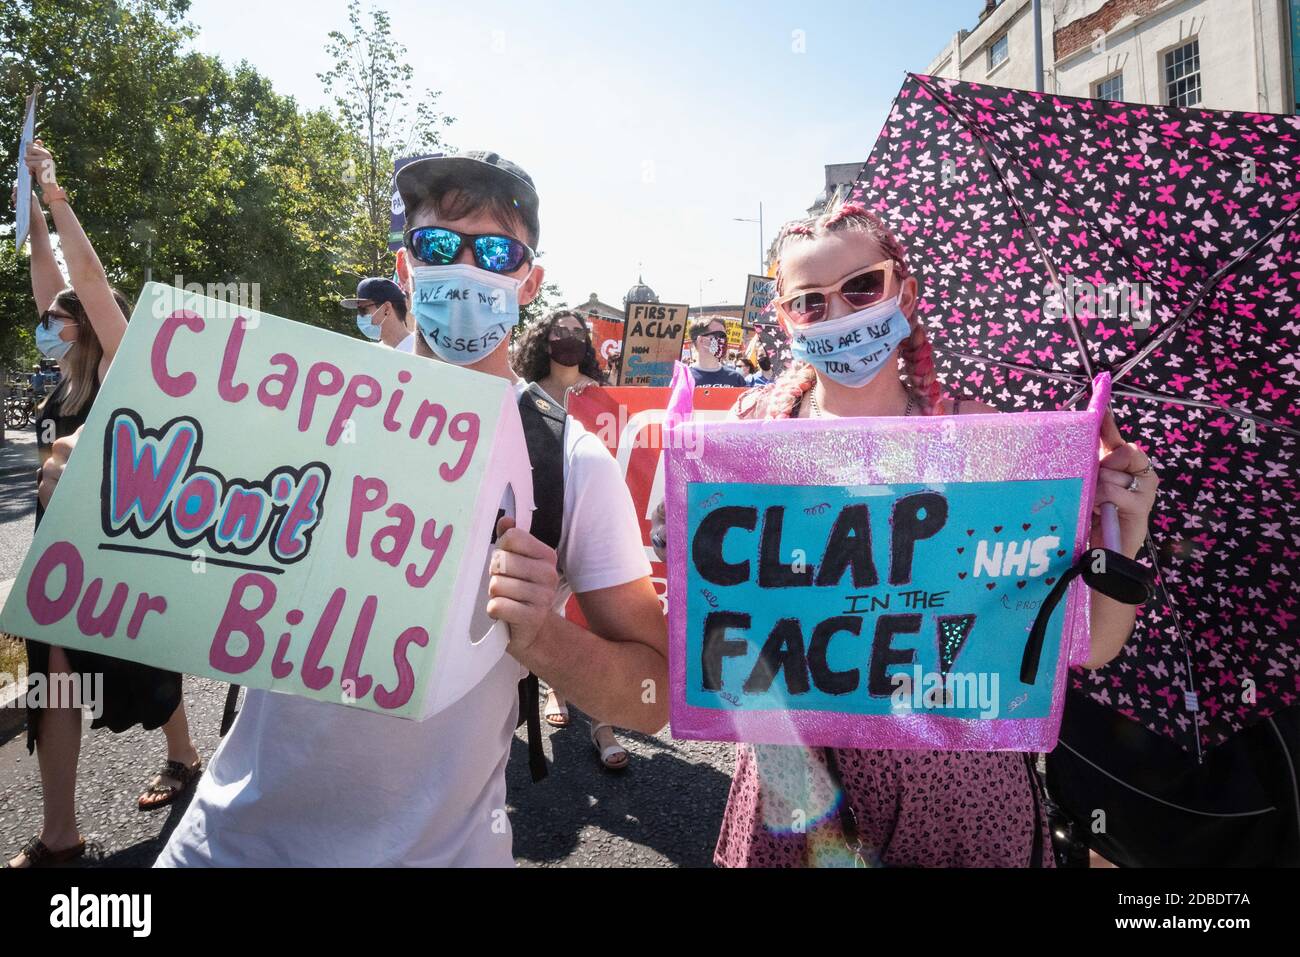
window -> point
(1111, 88)
(1183, 75)
(998, 51)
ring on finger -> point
(1134, 485)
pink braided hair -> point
(780, 399)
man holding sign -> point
(302, 782)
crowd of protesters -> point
(275, 793)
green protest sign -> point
(271, 504)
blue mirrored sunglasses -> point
(436, 246)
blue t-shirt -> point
(723, 376)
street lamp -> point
(703, 283)
(762, 250)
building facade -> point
(601, 310)
(1218, 54)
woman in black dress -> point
(81, 327)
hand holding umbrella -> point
(1126, 493)
(1109, 566)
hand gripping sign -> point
(274, 505)
(876, 583)
(631, 423)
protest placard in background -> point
(23, 213)
(397, 219)
(630, 423)
(759, 291)
(735, 335)
(871, 583)
(606, 339)
(653, 333)
(270, 504)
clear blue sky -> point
(647, 126)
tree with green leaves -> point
(548, 298)
(370, 80)
(180, 167)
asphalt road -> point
(663, 811)
(17, 498)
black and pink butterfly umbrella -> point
(1055, 237)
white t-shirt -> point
(298, 782)
(407, 344)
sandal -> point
(615, 756)
(557, 712)
(38, 855)
(158, 795)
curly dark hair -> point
(532, 359)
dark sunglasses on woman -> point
(860, 289)
(564, 332)
(51, 314)
(437, 246)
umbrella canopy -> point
(1055, 236)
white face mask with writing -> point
(854, 348)
(464, 313)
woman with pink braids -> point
(848, 302)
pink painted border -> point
(1040, 445)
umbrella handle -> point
(1110, 537)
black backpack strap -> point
(544, 423)
(530, 707)
(231, 709)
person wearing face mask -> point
(709, 337)
(847, 300)
(81, 327)
(381, 313)
(299, 782)
(556, 353)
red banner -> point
(628, 420)
(606, 337)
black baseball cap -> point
(375, 289)
(418, 181)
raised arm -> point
(47, 278)
(85, 272)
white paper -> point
(22, 219)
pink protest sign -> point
(873, 583)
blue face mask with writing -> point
(464, 313)
(853, 349)
(48, 341)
